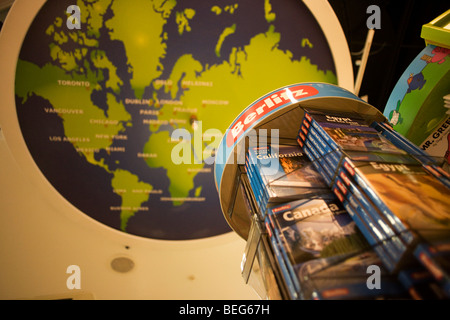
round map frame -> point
(16, 26)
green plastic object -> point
(437, 32)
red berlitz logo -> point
(285, 207)
(262, 107)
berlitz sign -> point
(262, 107)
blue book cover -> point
(330, 159)
(283, 265)
(318, 228)
(253, 183)
(349, 132)
(318, 163)
(286, 173)
(326, 171)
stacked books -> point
(322, 254)
(431, 164)
(281, 173)
(397, 196)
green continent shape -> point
(133, 193)
(244, 68)
(182, 20)
(234, 81)
(80, 46)
(181, 176)
(92, 14)
(81, 129)
(101, 61)
(269, 15)
(225, 33)
(141, 33)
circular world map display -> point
(99, 106)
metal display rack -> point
(259, 266)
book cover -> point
(315, 228)
(290, 283)
(349, 132)
(383, 237)
(326, 171)
(401, 142)
(435, 257)
(345, 182)
(367, 231)
(347, 278)
(416, 203)
(430, 163)
(420, 284)
(285, 174)
(318, 163)
(284, 165)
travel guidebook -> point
(347, 278)
(311, 229)
(390, 243)
(421, 284)
(319, 162)
(407, 193)
(281, 173)
(436, 258)
(367, 230)
(332, 136)
(348, 131)
(416, 202)
(347, 185)
(430, 163)
(329, 160)
(290, 284)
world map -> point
(98, 106)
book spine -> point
(366, 231)
(282, 264)
(389, 288)
(401, 142)
(329, 146)
(438, 173)
(321, 131)
(262, 183)
(380, 234)
(328, 158)
(324, 170)
(376, 216)
(305, 141)
(249, 167)
(428, 255)
(315, 162)
(398, 225)
(289, 266)
(429, 162)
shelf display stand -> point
(276, 118)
